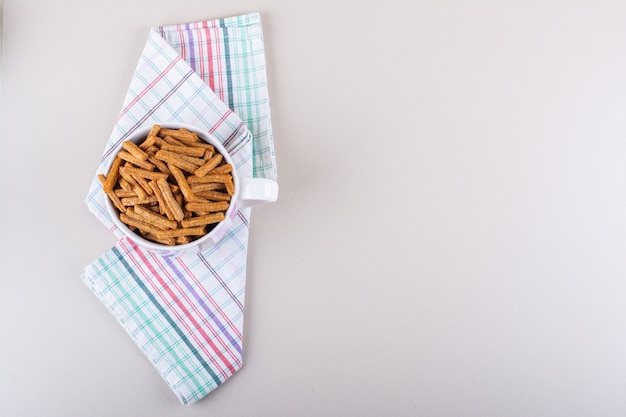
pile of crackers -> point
(171, 188)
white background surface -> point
(450, 235)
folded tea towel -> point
(186, 313)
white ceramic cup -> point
(248, 192)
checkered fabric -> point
(186, 313)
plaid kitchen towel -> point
(186, 313)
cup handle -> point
(255, 191)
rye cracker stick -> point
(143, 184)
(127, 156)
(139, 224)
(181, 201)
(207, 207)
(222, 169)
(125, 185)
(185, 189)
(138, 190)
(180, 134)
(223, 178)
(150, 142)
(185, 231)
(147, 143)
(169, 199)
(124, 193)
(138, 172)
(152, 138)
(209, 166)
(185, 150)
(203, 220)
(112, 175)
(207, 186)
(116, 202)
(134, 150)
(141, 193)
(230, 187)
(196, 161)
(182, 240)
(169, 241)
(200, 144)
(155, 130)
(155, 219)
(172, 141)
(131, 201)
(175, 159)
(113, 195)
(163, 207)
(213, 195)
(160, 165)
(130, 212)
